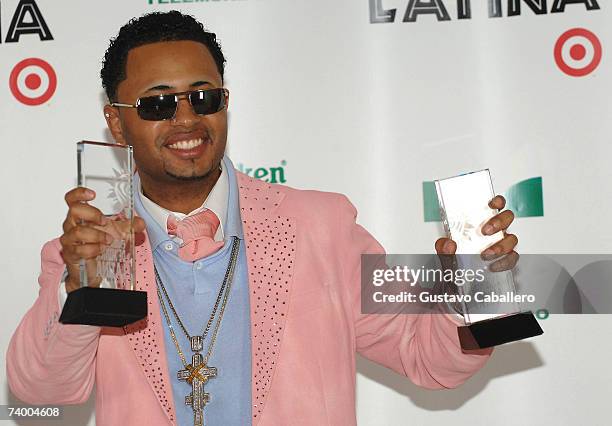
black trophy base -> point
(104, 307)
(497, 331)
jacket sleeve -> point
(48, 362)
(423, 347)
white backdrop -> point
(371, 110)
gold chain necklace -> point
(198, 372)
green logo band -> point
(525, 199)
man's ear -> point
(111, 114)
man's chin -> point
(188, 178)
(193, 175)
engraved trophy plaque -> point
(489, 307)
(106, 296)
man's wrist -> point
(71, 283)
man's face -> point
(189, 146)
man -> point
(285, 353)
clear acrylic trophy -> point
(489, 306)
(106, 296)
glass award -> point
(106, 296)
(489, 304)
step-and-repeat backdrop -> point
(374, 99)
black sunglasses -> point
(163, 107)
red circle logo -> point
(33, 81)
(578, 52)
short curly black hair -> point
(152, 28)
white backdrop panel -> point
(372, 111)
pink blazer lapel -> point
(270, 249)
(146, 337)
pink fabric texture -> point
(197, 232)
(306, 326)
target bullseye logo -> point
(33, 81)
(578, 52)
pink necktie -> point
(197, 232)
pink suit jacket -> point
(303, 251)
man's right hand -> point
(87, 232)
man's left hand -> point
(503, 249)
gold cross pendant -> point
(197, 374)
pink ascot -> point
(197, 232)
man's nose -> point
(185, 115)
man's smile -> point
(184, 145)
(188, 145)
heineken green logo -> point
(267, 174)
(525, 199)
